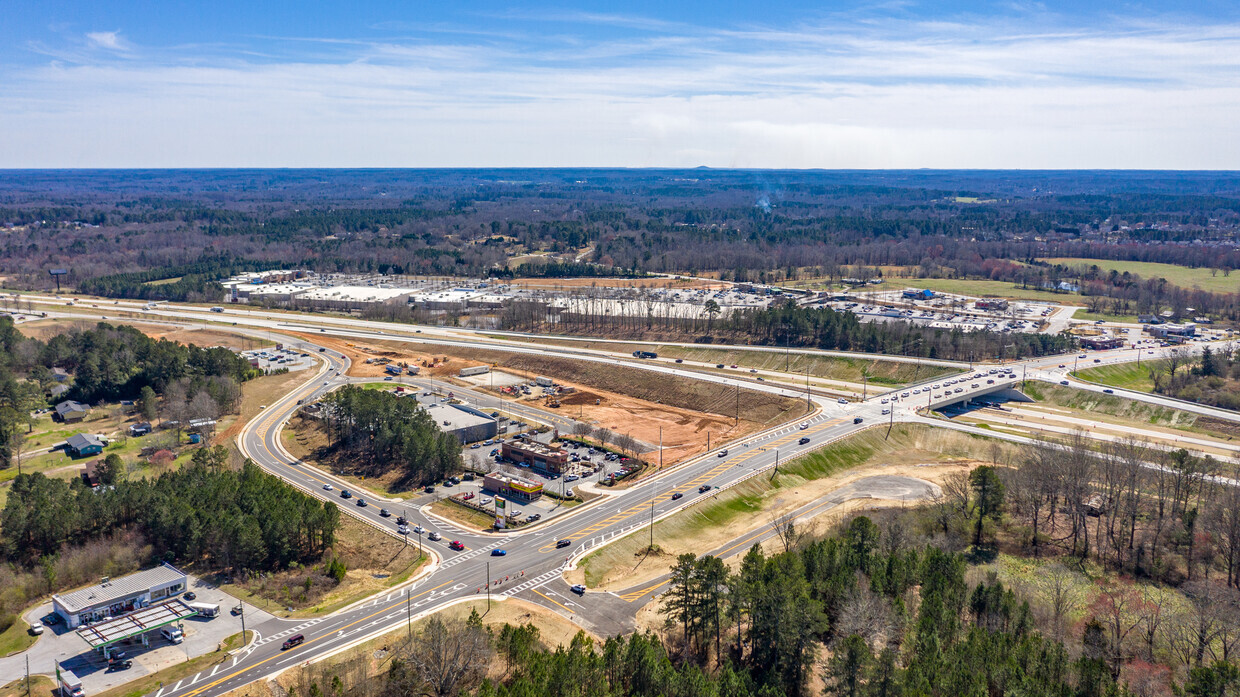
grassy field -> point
(793, 362)
(999, 289)
(40, 686)
(1126, 375)
(746, 507)
(16, 638)
(1181, 276)
(376, 561)
(1128, 411)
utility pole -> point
(807, 402)
(660, 447)
(488, 586)
(242, 613)
(651, 518)
(708, 441)
(409, 613)
(865, 386)
(738, 404)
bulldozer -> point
(553, 401)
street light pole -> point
(488, 586)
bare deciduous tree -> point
(446, 658)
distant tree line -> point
(564, 269)
(376, 432)
(243, 519)
(196, 282)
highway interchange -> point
(533, 567)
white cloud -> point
(848, 96)
(110, 40)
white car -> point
(327, 487)
(402, 529)
(417, 530)
(485, 501)
(804, 426)
(845, 401)
(36, 627)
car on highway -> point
(718, 365)
(388, 378)
(1063, 382)
(292, 641)
(402, 529)
(704, 488)
(499, 552)
(417, 529)
(680, 360)
(723, 453)
(456, 545)
(561, 544)
(903, 394)
(384, 513)
(327, 487)
(858, 419)
(1109, 391)
(888, 411)
(804, 425)
(434, 536)
(841, 400)
(344, 494)
(578, 589)
(430, 489)
(884, 400)
(361, 502)
(804, 440)
(677, 495)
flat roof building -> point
(115, 597)
(512, 487)
(469, 425)
(535, 455)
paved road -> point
(532, 568)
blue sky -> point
(412, 83)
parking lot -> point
(287, 358)
(58, 644)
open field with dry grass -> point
(916, 451)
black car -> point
(680, 360)
(1109, 391)
(804, 440)
(401, 520)
(430, 489)
(190, 595)
(122, 664)
(858, 420)
(704, 488)
(344, 494)
(677, 495)
(384, 513)
(361, 502)
(563, 543)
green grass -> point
(793, 362)
(1128, 376)
(163, 281)
(1126, 410)
(16, 638)
(1106, 317)
(1181, 276)
(906, 443)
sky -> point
(1104, 84)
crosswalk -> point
(461, 558)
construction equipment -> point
(553, 401)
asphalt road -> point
(533, 565)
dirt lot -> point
(913, 451)
(624, 400)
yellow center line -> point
(282, 653)
(550, 600)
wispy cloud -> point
(110, 40)
(833, 92)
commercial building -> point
(512, 487)
(83, 444)
(918, 294)
(352, 297)
(1169, 331)
(992, 305)
(1102, 343)
(71, 411)
(114, 597)
(469, 425)
(535, 455)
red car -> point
(456, 545)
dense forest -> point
(205, 512)
(118, 232)
(374, 432)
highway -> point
(533, 565)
